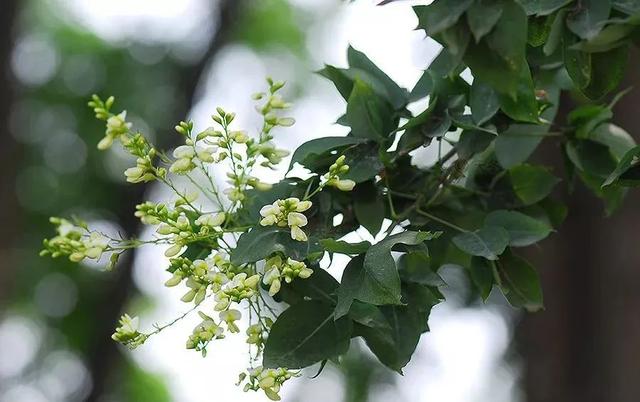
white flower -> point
(345, 185)
(296, 219)
(212, 220)
(184, 151)
(230, 317)
(173, 250)
(272, 209)
(303, 206)
(298, 234)
(105, 143)
(182, 166)
(272, 278)
(128, 329)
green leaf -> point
(304, 334)
(368, 315)
(610, 37)
(339, 77)
(395, 346)
(482, 16)
(349, 289)
(520, 283)
(455, 39)
(484, 102)
(263, 241)
(342, 247)
(628, 164)
(532, 183)
(396, 95)
(627, 6)
(382, 283)
(472, 142)
(596, 74)
(368, 115)
(313, 148)
(591, 157)
(517, 143)
(466, 122)
(488, 242)
(320, 286)
(363, 160)
(589, 18)
(522, 104)
(498, 59)
(375, 278)
(369, 206)
(482, 276)
(416, 267)
(522, 229)
(543, 7)
(539, 30)
(615, 137)
(440, 15)
(555, 34)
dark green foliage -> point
(485, 193)
(304, 334)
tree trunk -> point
(9, 151)
(584, 346)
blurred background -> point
(168, 60)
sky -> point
(460, 360)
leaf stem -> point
(442, 221)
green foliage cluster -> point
(475, 206)
(484, 197)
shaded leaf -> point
(304, 334)
(482, 16)
(484, 102)
(319, 146)
(342, 247)
(482, 276)
(522, 229)
(440, 15)
(628, 162)
(368, 115)
(369, 206)
(488, 242)
(395, 346)
(589, 17)
(520, 283)
(397, 96)
(532, 183)
(368, 315)
(320, 286)
(263, 241)
(416, 267)
(517, 143)
(543, 7)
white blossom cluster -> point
(198, 242)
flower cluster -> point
(332, 177)
(127, 333)
(74, 241)
(204, 332)
(198, 242)
(277, 269)
(287, 213)
(267, 380)
(241, 287)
